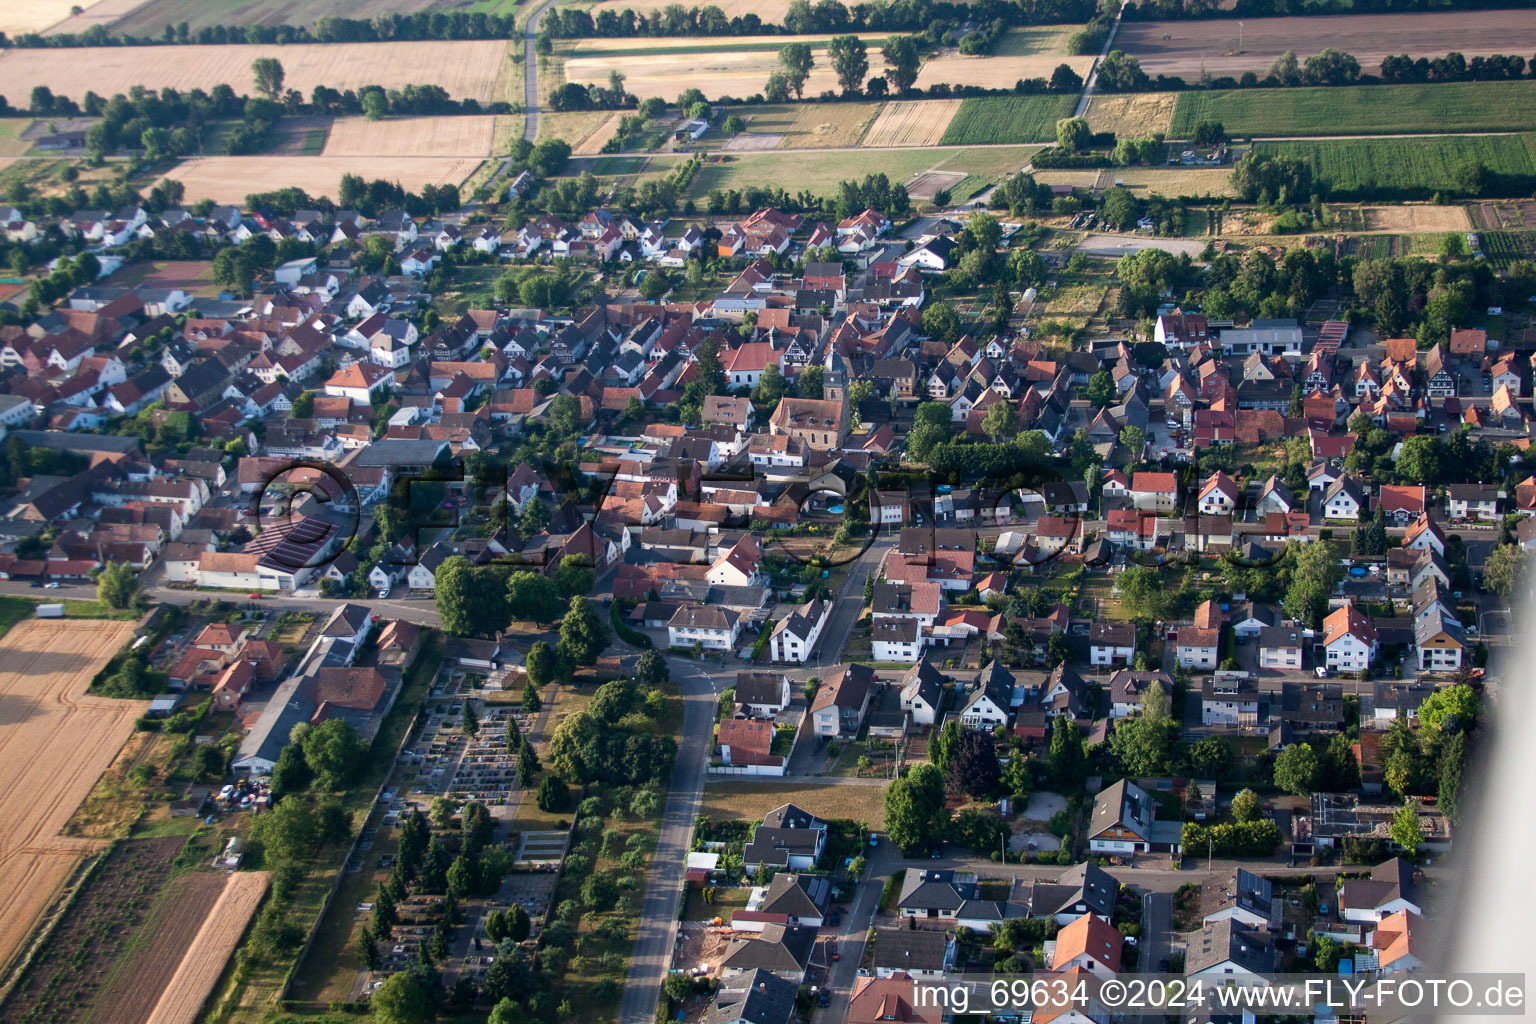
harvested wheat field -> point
(18, 16)
(229, 179)
(465, 135)
(211, 949)
(1132, 115)
(54, 744)
(107, 14)
(955, 68)
(594, 142)
(718, 72)
(912, 123)
(1414, 219)
(574, 126)
(464, 69)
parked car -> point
(50, 586)
(824, 998)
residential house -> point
(1199, 645)
(922, 693)
(1126, 687)
(1157, 492)
(1349, 639)
(1109, 642)
(1225, 948)
(1280, 648)
(712, 627)
(919, 953)
(794, 637)
(788, 837)
(990, 702)
(1089, 943)
(762, 694)
(842, 701)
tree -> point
(531, 702)
(1210, 758)
(1406, 829)
(542, 666)
(1142, 592)
(1453, 764)
(268, 72)
(1246, 806)
(527, 764)
(1073, 134)
(375, 106)
(469, 722)
(1452, 709)
(915, 815)
(1419, 460)
(554, 796)
(1370, 538)
(1018, 780)
(651, 668)
(944, 744)
(1328, 954)
(1507, 569)
(734, 125)
(1339, 771)
(1313, 577)
(1296, 769)
(1064, 79)
(797, 61)
(1067, 760)
(901, 62)
(517, 923)
(1133, 439)
(532, 596)
(850, 60)
(1000, 421)
(583, 633)
(409, 997)
(973, 767)
(334, 753)
(1101, 389)
(117, 585)
(461, 877)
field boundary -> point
(68, 896)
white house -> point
(794, 637)
(1109, 642)
(922, 693)
(1343, 500)
(990, 704)
(712, 627)
(896, 639)
(1349, 639)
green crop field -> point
(1360, 110)
(1011, 119)
(1408, 168)
(1504, 247)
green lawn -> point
(821, 173)
(15, 609)
(989, 119)
(1409, 168)
(1361, 109)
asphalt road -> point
(657, 932)
(531, 71)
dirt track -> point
(1194, 46)
(204, 961)
(54, 744)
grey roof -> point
(72, 442)
(1390, 880)
(1435, 621)
(797, 895)
(1124, 803)
(759, 687)
(783, 949)
(1225, 940)
(895, 630)
(933, 890)
(400, 452)
(758, 998)
(910, 949)
(925, 681)
(1086, 885)
(1279, 636)
(995, 682)
(1253, 892)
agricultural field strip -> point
(1229, 47)
(466, 69)
(1462, 107)
(1409, 163)
(229, 179)
(1008, 119)
(55, 741)
(215, 941)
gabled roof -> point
(1092, 936)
